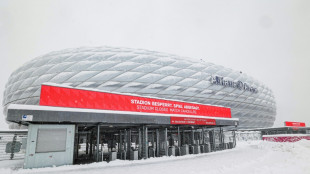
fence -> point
(12, 144)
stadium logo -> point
(217, 80)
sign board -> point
(192, 121)
(81, 98)
(294, 124)
(27, 117)
(13, 147)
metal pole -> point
(98, 139)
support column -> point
(179, 137)
(87, 136)
(203, 135)
(153, 139)
(91, 144)
(145, 143)
(128, 143)
(166, 139)
(157, 143)
(183, 137)
(120, 142)
(125, 144)
(192, 137)
(140, 144)
(77, 136)
(234, 138)
(98, 139)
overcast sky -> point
(266, 39)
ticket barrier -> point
(177, 151)
(171, 151)
(151, 152)
(196, 149)
(184, 150)
(134, 155)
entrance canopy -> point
(61, 104)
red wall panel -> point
(80, 98)
(295, 124)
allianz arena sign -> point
(218, 80)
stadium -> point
(145, 73)
(102, 103)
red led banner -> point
(80, 98)
(295, 124)
(192, 121)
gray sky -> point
(266, 39)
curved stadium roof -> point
(146, 73)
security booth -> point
(74, 126)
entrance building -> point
(74, 126)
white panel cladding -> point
(146, 73)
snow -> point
(255, 157)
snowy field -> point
(247, 158)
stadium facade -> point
(145, 73)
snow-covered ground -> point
(247, 158)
